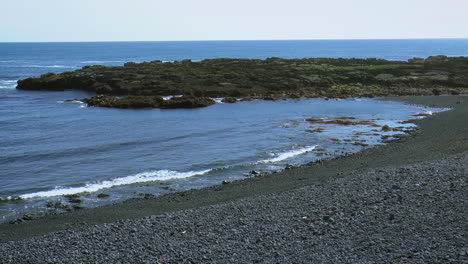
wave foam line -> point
(159, 175)
(7, 84)
(97, 61)
(48, 66)
(287, 155)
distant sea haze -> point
(50, 148)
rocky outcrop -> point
(48, 81)
(124, 102)
(148, 101)
(270, 79)
(187, 102)
(229, 100)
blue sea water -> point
(49, 148)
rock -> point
(27, 217)
(103, 195)
(248, 99)
(124, 102)
(270, 79)
(187, 102)
(386, 128)
(71, 100)
(75, 200)
(72, 196)
(229, 100)
(48, 81)
(77, 207)
(58, 205)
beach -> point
(402, 202)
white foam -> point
(287, 155)
(8, 84)
(86, 62)
(218, 100)
(49, 66)
(71, 102)
(169, 97)
(159, 175)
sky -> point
(167, 20)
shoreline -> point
(448, 127)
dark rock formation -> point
(187, 102)
(48, 81)
(229, 100)
(271, 79)
(124, 102)
(141, 101)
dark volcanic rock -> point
(48, 81)
(124, 102)
(187, 102)
(271, 79)
(229, 100)
(148, 101)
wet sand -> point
(441, 142)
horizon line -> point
(220, 40)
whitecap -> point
(87, 62)
(49, 66)
(169, 97)
(8, 84)
(158, 175)
(218, 100)
(287, 155)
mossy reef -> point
(141, 85)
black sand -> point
(363, 208)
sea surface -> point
(50, 148)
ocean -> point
(50, 148)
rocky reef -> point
(141, 85)
(140, 101)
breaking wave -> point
(7, 84)
(159, 175)
(96, 61)
(287, 155)
(49, 66)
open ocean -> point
(49, 148)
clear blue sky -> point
(155, 20)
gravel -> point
(402, 214)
